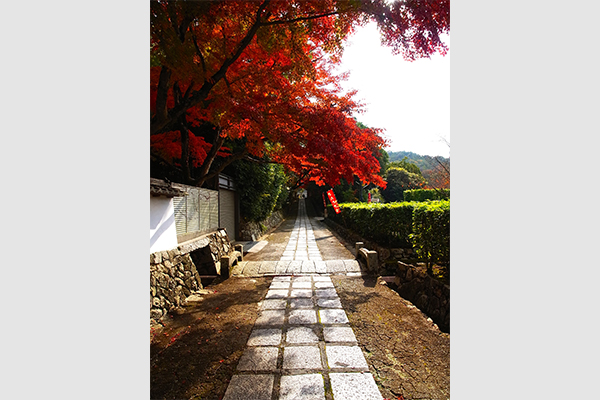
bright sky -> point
(410, 100)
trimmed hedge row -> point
(431, 232)
(424, 226)
(426, 194)
(388, 224)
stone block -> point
(302, 357)
(274, 304)
(302, 387)
(333, 316)
(265, 337)
(270, 317)
(320, 267)
(325, 293)
(244, 387)
(351, 266)
(299, 317)
(323, 285)
(301, 334)
(308, 266)
(301, 303)
(267, 267)
(301, 285)
(346, 357)
(354, 385)
(277, 294)
(282, 266)
(279, 285)
(301, 293)
(338, 334)
(259, 359)
(329, 302)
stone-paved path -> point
(302, 346)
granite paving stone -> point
(338, 334)
(301, 303)
(333, 316)
(354, 386)
(309, 265)
(245, 387)
(279, 285)
(335, 266)
(276, 294)
(325, 292)
(270, 317)
(282, 266)
(323, 285)
(347, 357)
(329, 303)
(301, 293)
(267, 267)
(274, 304)
(294, 267)
(352, 266)
(265, 337)
(302, 278)
(302, 387)
(320, 267)
(302, 357)
(298, 317)
(259, 359)
(301, 285)
(301, 334)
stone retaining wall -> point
(428, 294)
(248, 229)
(175, 274)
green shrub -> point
(426, 194)
(261, 188)
(388, 224)
(423, 226)
(430, 235)
(398, 181)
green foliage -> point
(345, 192)
(399, 180)
(407, 165)
(261, 188)
(431, 232)
(426, 194)
(389, 224)
(424, 226)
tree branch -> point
(202, 93)
(210, 157)
(161, 96)
(299, 19)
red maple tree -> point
(237, 79)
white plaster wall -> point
(163, 235)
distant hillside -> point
(423, 162)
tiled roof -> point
(162, 188)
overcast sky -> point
(410, 100)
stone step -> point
(297, 267)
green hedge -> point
(431, 232)
(426, 194)
(424, 226)
(388, 224)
